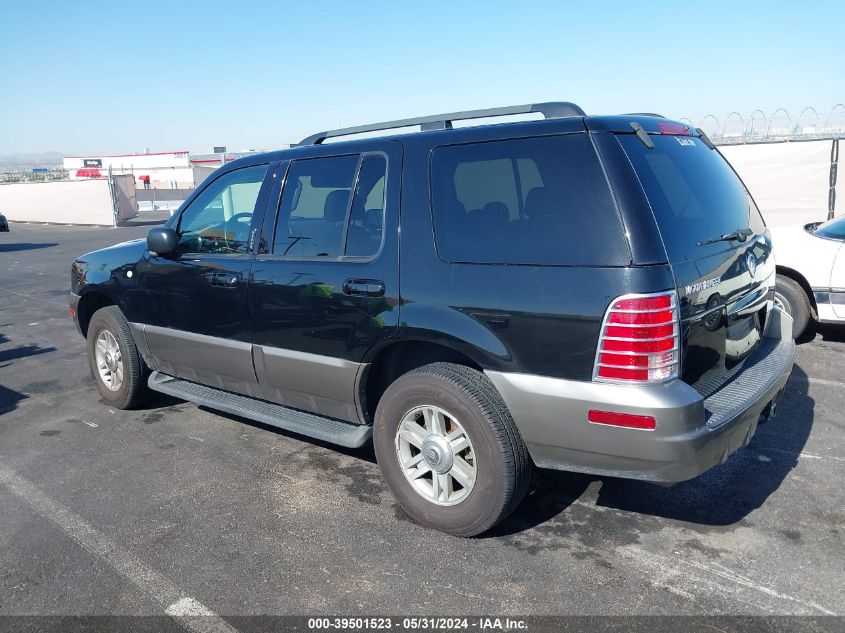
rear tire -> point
(790, 297)
(492, 462)
(116, 366)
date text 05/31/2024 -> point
(417, 624)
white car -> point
(811, 272)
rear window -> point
(540, 200)
(694, 193)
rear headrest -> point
(334, 209)
(496, 212)
(372, 218)
(539, 203)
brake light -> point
(639, 340)
(673, 129)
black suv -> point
(586, 293)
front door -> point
(196, 321)
(326, 288)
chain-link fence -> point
(779, 125)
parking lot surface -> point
(178, 509)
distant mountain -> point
(31, 159)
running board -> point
(309, 424)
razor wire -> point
(780, 125)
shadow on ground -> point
(25, 246)
(364, 453)
(129, 223)
(830, 332)
(9, 399)
(23, 351)
(722, 496)
(159, 401)
(827, 331)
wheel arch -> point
(798, 278)
(89, 302)
(399, 357)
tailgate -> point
(723, 299)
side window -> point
(542, 201)
(313, 210)
(529, 179)
(332, 207)
(366, 219)
(479, 183)
(219, 219)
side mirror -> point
(162, 241)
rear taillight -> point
(639, 340)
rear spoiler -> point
(645, 125)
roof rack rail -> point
(659, 116)
(550, 110)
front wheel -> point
(116, 365)
(449, 449)
(791, 298)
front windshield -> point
(832, 229)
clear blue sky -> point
(110, 77)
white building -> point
(203, 165)
(163, 169)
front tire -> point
(449, 450)
(116, 366)
(791, 298)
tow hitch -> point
(771, 409)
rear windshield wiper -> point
(740, 235)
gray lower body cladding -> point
(210, 360)
(692, 433)
(299, 380)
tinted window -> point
(833, 229)
(540, 200)
(366, 217)
(694, 193)
(220, 217)
(314, 207)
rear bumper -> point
(692, 433)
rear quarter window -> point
(541, 200)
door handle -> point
(224, 280)
(364, 287)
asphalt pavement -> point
(181, 510)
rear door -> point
(325, 287)
(724, 285)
